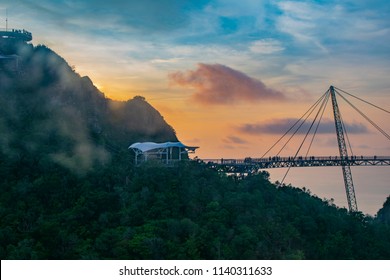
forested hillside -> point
(69, 189)
(188, 212)
(383, 215)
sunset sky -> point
(230, 76)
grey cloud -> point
(280, 126)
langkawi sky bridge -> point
(345, 159)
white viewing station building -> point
(168, 152)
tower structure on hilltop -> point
(11, 42)
(15, 35)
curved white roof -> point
(148, 146)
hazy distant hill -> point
(48, 108)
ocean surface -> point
(372, 184)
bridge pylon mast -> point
(348, 182)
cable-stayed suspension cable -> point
(367, 118)
(302, 122)
(345, 129)
(346, 135)
(277, 142)
(369, 103)
(311, 125)
(295, 132)
(307, 133)
(318, 124)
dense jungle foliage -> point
(190, 211)
(69, 189)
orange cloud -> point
(219, 84)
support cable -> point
(346, 135)
(369, 103)
(345, 129)
(314, 105)
(318, 124)
(302, 122)
(304, 139)
(367, 118)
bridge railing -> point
(250, 161)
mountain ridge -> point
(47, 95)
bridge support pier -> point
(349, 188)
